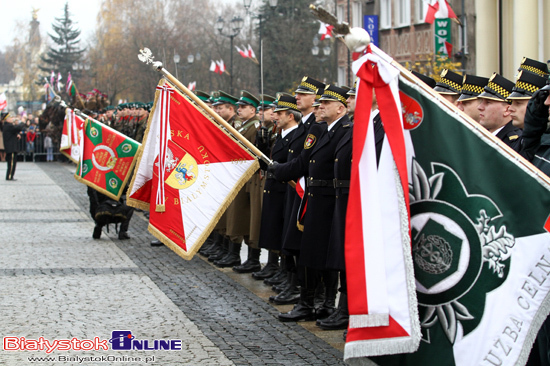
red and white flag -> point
(221, 66)
(214, 67)
(71, 136)
(192, 85)
(439, 9)
(3, 101)
(59, 78)
(325, 30)
(188, 173)
(251, 53)
(242, 52)
(381, 288)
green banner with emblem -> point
(480, 240)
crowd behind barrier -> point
(39, 152)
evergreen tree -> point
(66, 50)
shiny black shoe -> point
(123, 235)
(280, 287)
(156, 243)
(217, 255)
(301, 311)
(287, 297)
(324, 312)
(277, 278)
(249, 266)
(269, 270)
(230, 260)
(97, 232)
(337, 321)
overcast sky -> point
(83, 12)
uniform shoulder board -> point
(347, 125)
(513, 137)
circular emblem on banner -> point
(113, 183)
(126, 148)
(84, 168)
(412, 111)
(94, 132)
(103, 158)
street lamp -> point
(176, 62)
(190, 60)
(316, 49)
(236, 26)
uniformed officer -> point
(319, 170)
(526, 85)
(449, 85)
(11, 133)
(248, 105)
(278, 195)
(535, 67)
(351, 100)
(426, 79)
(305, 97)
(493, 111)
(225, 105)
(467, 102)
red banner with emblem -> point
(188, 173)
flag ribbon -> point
(163, 143)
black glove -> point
(536, 103)
(263, 137)
(271, 168)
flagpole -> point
(147, 58)
(467, 119)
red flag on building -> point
(439, 9)
(188, 173)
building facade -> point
(489, 36)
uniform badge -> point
(310, 141)
(257, 124)
(238, 124)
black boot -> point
(279, 278)
(97, 232)
(303, 310)
(252, 264)
(269, 269)
(232, 258)
(281, 286)
(221, 252)
(330, 278)
(208, 243)
(291, 294)
(339, 319)
(216, 246)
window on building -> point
(421, 8)
(385, 13)
(403, 13)
(356, 15)
(340, 13)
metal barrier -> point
(39, 153)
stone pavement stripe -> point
(59, 283)
(238, 322)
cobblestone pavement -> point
(58, 283)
